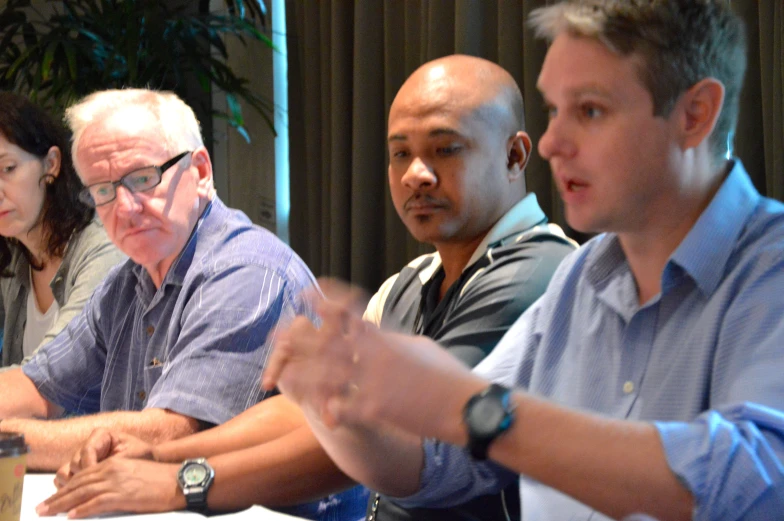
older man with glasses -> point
(175, 339)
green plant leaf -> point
(70, 56)
(46, 65)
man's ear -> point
(52, 162)
(518, 151)
(201, 161)
(699, 109)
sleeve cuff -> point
(729, 459)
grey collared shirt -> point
(87, 259)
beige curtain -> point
(347, 60)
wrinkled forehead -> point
(118, 142)
(129, 120)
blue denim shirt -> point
(703, 361)
(196, 345)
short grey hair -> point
(680, 42)
(177, 124)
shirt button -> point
(150, 330)
(628, 387)
(142, 395)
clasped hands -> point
(113, 472)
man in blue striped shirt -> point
(174, 339)
(648, 378)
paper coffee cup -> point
(13, 455)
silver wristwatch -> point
(195, 478)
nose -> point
(419, 176)
(557, 140)
(125, 202)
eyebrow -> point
(436, 132)
(589, 90)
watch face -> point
(485, 416)
(194, 474)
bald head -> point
(466, 84)
(457, 151)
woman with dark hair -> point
(53, 251)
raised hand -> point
(349, 372)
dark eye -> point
(592, 111)
(8, 169)
(449, 150)
(102, 191)
(398, 154)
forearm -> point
(21, 398)
(53, 442)
(383, 458)
(615, 466)
(261, 423)
(289, 470)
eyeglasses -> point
(139, 180)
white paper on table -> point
(38, 487)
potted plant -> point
(60, 51)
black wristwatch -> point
(487, 415)
(195, 478)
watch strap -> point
(195, 499)
(478, 446)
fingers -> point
(353, 298)
(98, 447)
(117, 485)
(282, 352)
(62, 475)
(99, 504)
(314, 365)
(79, 490)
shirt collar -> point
(522, 216)
(705, 250)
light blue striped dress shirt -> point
(704, 361)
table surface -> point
(38, 487)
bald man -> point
(457, 155)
